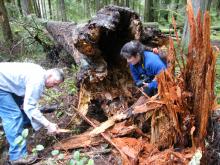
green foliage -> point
(52, 95)
(80, 160)
(57, 155)
(90, 162)
(76, 155)
(25, 133)
(21, 139)
(55, 152)
(59, 114)
(38, 148)
(69, 83)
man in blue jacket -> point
(144, 65)
(23, 83)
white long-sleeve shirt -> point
(28, 80)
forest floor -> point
(66, 96)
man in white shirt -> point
(24, 80)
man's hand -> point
(52, 128)
(155, 50)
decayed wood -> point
(200, 73)
(107, 124)
(178, 113)
(108, 139)
(99, 41)
(78, 141)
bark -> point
(36, 8)
(44, 9)
(50, 9)
(97, 4)
(27, 7)
(218, 8)
(148, 16)
(19, 6)
(197, 4)
(127, 3)
(156, 13)
(63, 10)
(58, 9)
(7, 33)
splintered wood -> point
(176, 116)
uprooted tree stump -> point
(177, 116)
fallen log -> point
(96, 44)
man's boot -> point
(29, 159)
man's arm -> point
(33, 93)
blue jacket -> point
(150, 65)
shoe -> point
(29, 159)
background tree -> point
(4, 21)
(50, 8)
(148, 14)
(197, 4)
(218, 7)
(63, 10)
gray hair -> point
(57, 74)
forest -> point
(103, 117)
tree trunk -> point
(7, 33)
(133, 4)
(30, 7)
(204, 5)
(88, 13)
(50, 9)
(156, 13)
(58, 10)
(45, 9)
(63, 10)
(218, 8)
(36, 8)
(19, 6)
(24, 5)
(27, 7)
(127, 3)
(148, 13)
(97, 5)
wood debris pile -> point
(164, 129)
